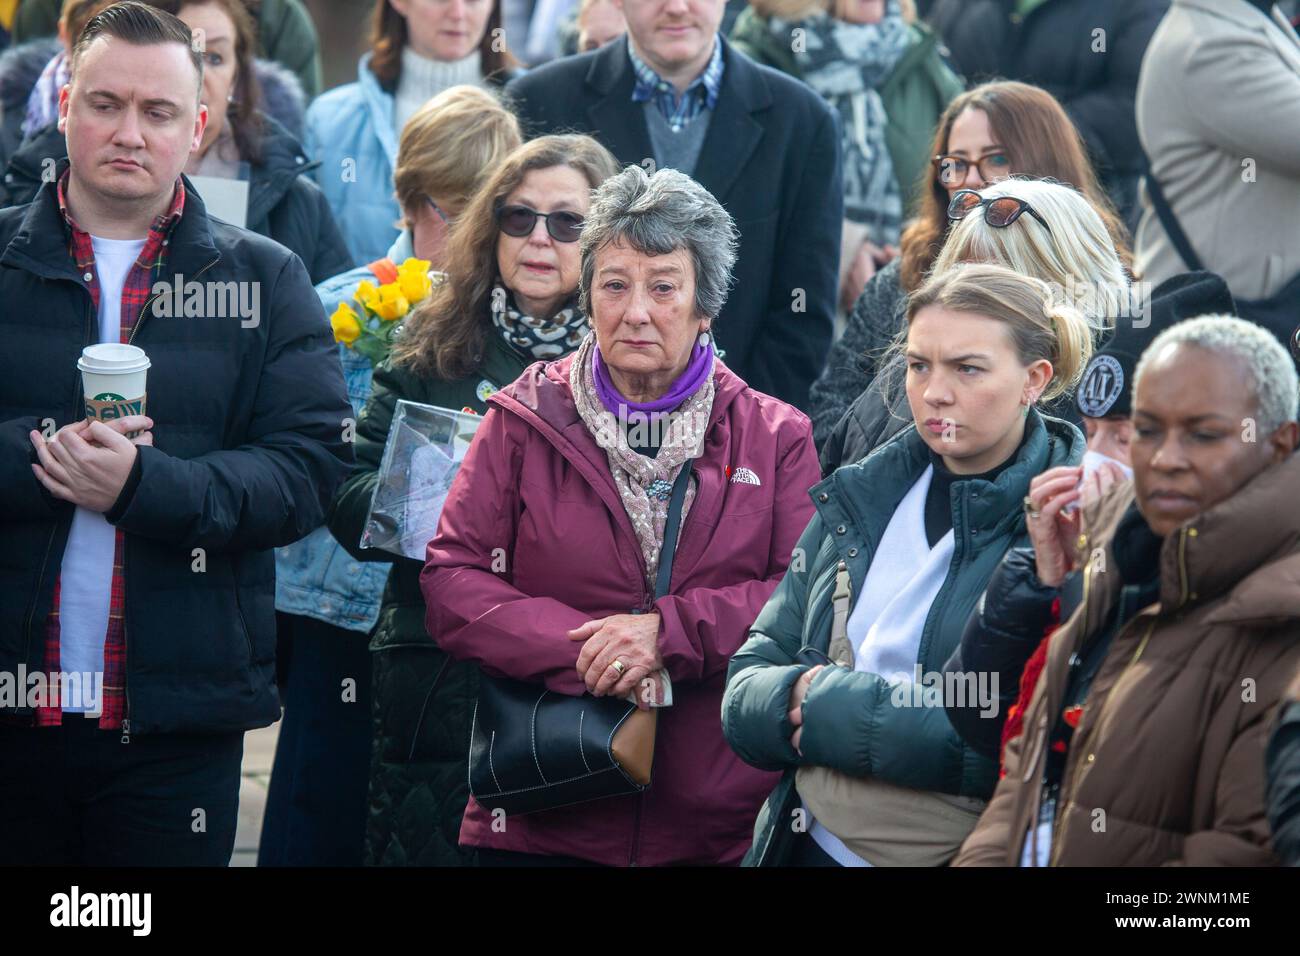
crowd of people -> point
(884, 417)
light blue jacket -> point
(350, 131)
(315, 577)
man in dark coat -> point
(1086, 53)
(674, 93)
(137, 551)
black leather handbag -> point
(533, 749)
(1280, 313)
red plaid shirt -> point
(135, 293)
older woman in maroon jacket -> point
(544, 564)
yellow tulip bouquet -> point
(369, 328)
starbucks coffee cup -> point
(113, 378)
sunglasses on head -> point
(999, 211)
(518, 221)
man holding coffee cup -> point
(138, 534)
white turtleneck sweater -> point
(423, 78)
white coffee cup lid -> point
(111, 357)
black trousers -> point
(316, 804)
(75, 795)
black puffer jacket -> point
(1059, 46)
(283, 204)
(249, 447)
(20, 67)
(1283, 762)
(1006, 627)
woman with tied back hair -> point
(325, 603)
(1036, 228)
(989, 133)
(418, 48)
(829, 688)
(510, 299)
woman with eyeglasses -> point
(985, 135)
(509, 299)
(1038, 228)
(836, 685)
(418, 48)
(325, 602)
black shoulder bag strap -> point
(669, 548)
(1170, 222)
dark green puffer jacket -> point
(849, 722)
(419, 768)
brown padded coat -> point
(1166, 766)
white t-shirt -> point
(87, 571)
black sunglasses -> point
(999, 211)
(518, 221)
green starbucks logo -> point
(107, 406)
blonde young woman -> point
(1058, 235)
(833, 686)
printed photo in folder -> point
(426, 445)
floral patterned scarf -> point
(644, 484)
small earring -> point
(704, 339)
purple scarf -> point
(686, 385)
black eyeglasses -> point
(519, 221)
(999, 211)
(951, 170)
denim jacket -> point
(350, 131)
(315, 577)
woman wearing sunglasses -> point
(325, 602)
(509, 299)
(1037, 228)
(835, 685)
(985, 135)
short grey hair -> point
(1276, 385)
(656, 215)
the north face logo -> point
(745, 477)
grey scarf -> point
(845, 63)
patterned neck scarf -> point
(847, 63)
(644, 484)
(544, 339)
